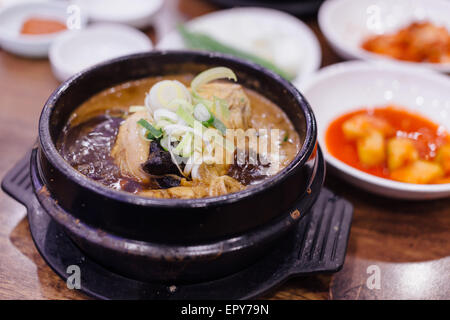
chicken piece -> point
(217, 186)
(443, 157)
(238, 103)
(371, 149)
(362, 125)
(131, 150)
(420, 171)
(400, 151)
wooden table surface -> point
(407, 243)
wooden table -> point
(408, 243)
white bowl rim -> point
(315, 48)
(359, 53)
(63, 66)
(98, 17)
(38, 38)
(362, 66)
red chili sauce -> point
(426, 135)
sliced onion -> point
(172, 156)
(163, 93)
(177, 129)
(186, 105)
(165, 114)
(184, 148)
(201, 113)
(212, 74)
(194, 172)
(188, 166)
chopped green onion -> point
(164, 114)
(152, 131)
(225, 112)
(202, 114)
(176, 103)
(184, 148)
(286, 137)
(172, 156)
(219, 125)
(186, 116)
(196, 99)
(210, 75)
(201, 41)
(164, 142)
(162, 123)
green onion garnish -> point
(153, 133)
(186, 116)
(200, 41)
(219, 125)
(202, 114)
(224, 110)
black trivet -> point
(318, 245)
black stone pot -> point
(174, 239)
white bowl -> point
(241, 27)
(347, 23)
(75, 51)
(12, 18)
(348, 86)
(135, 13)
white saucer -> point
(236, 27)
(75, 51)
(12, 18)
(135, 13)
(348, 86)
(347, 23)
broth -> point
(88, 139)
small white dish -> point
(344, 87)
(12, 18)
(269, 33)
(135, 13)
(75, 51)
(347, 23)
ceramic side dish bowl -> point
(174, 239)
(72, 52)
(35, 46)
(347, 23)
(135, 13)
(269, 33)
(348, 86)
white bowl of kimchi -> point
(409, 32)
(343, 88)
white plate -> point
(245, 28)
(347, 23)
(12, 18)
(135, 13)
(75, 51)
(343, 87)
